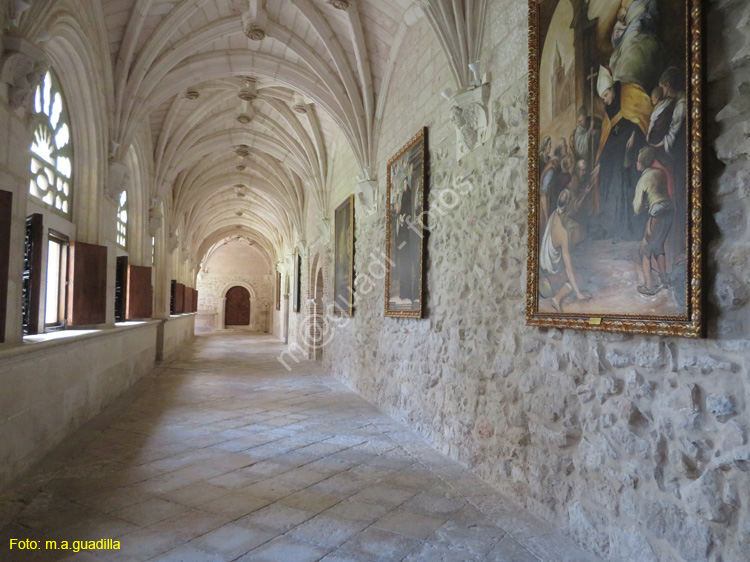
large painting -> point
(344, 255)
(615, 165)
(406, 229)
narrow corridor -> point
(224, 455)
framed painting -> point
(278, 290)
(406, 229)
(615, 90)
(297, 283)
(343, 274)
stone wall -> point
(53, 387)
(173, 335)
(236, 264)
(635, 446)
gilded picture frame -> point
(344, 259)
(406, 229)
(615, 210)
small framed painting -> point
(615, 90)
(406, 229)
(278, 290)
(344, 258)
(297, 283)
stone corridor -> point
(223, 455)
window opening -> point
(51, 148)
(57, 275)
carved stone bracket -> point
(324, 227)
(470, 114)
(118, 180)
(155, 220)
(22, 67)
(366, 192)
(172, 242)
(255, 20)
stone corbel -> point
(324, 227)
(301, 247)
(366, 191)
(118, 180)
(23, 67)
(155, 220)
(469, 110)
(185, 254)
(255, 20)
(172, 242)
(17, 9)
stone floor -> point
(224, 455)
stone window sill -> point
(49, 340)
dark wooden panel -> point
(298, 285)
(87, 284)
(192, 300)
(195, 300)
(179, 299)
(140, 293)
(121, 288)
(6, 211)
(237, 309)
(32, 273)
(172, 293)
(187, 301)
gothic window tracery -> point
(51, 147)
(122, 220)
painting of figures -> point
(344, 250)
(406, 229)
(614, 170)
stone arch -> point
(248, 286)
(74, 60)
(258, 316)
(315, 306)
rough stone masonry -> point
(636, 446)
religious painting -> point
(615, 165)
(297, 283)
(406, 229)
(278, 290)
(343, 281)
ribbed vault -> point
(241, 101)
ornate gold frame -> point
(336, 309)
(421, 136)
(692, 324)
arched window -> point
(51, 148)
(122, 221)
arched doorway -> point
(237, 308)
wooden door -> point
(237, 311)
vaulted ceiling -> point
(243, 100)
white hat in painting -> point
(605, 81)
